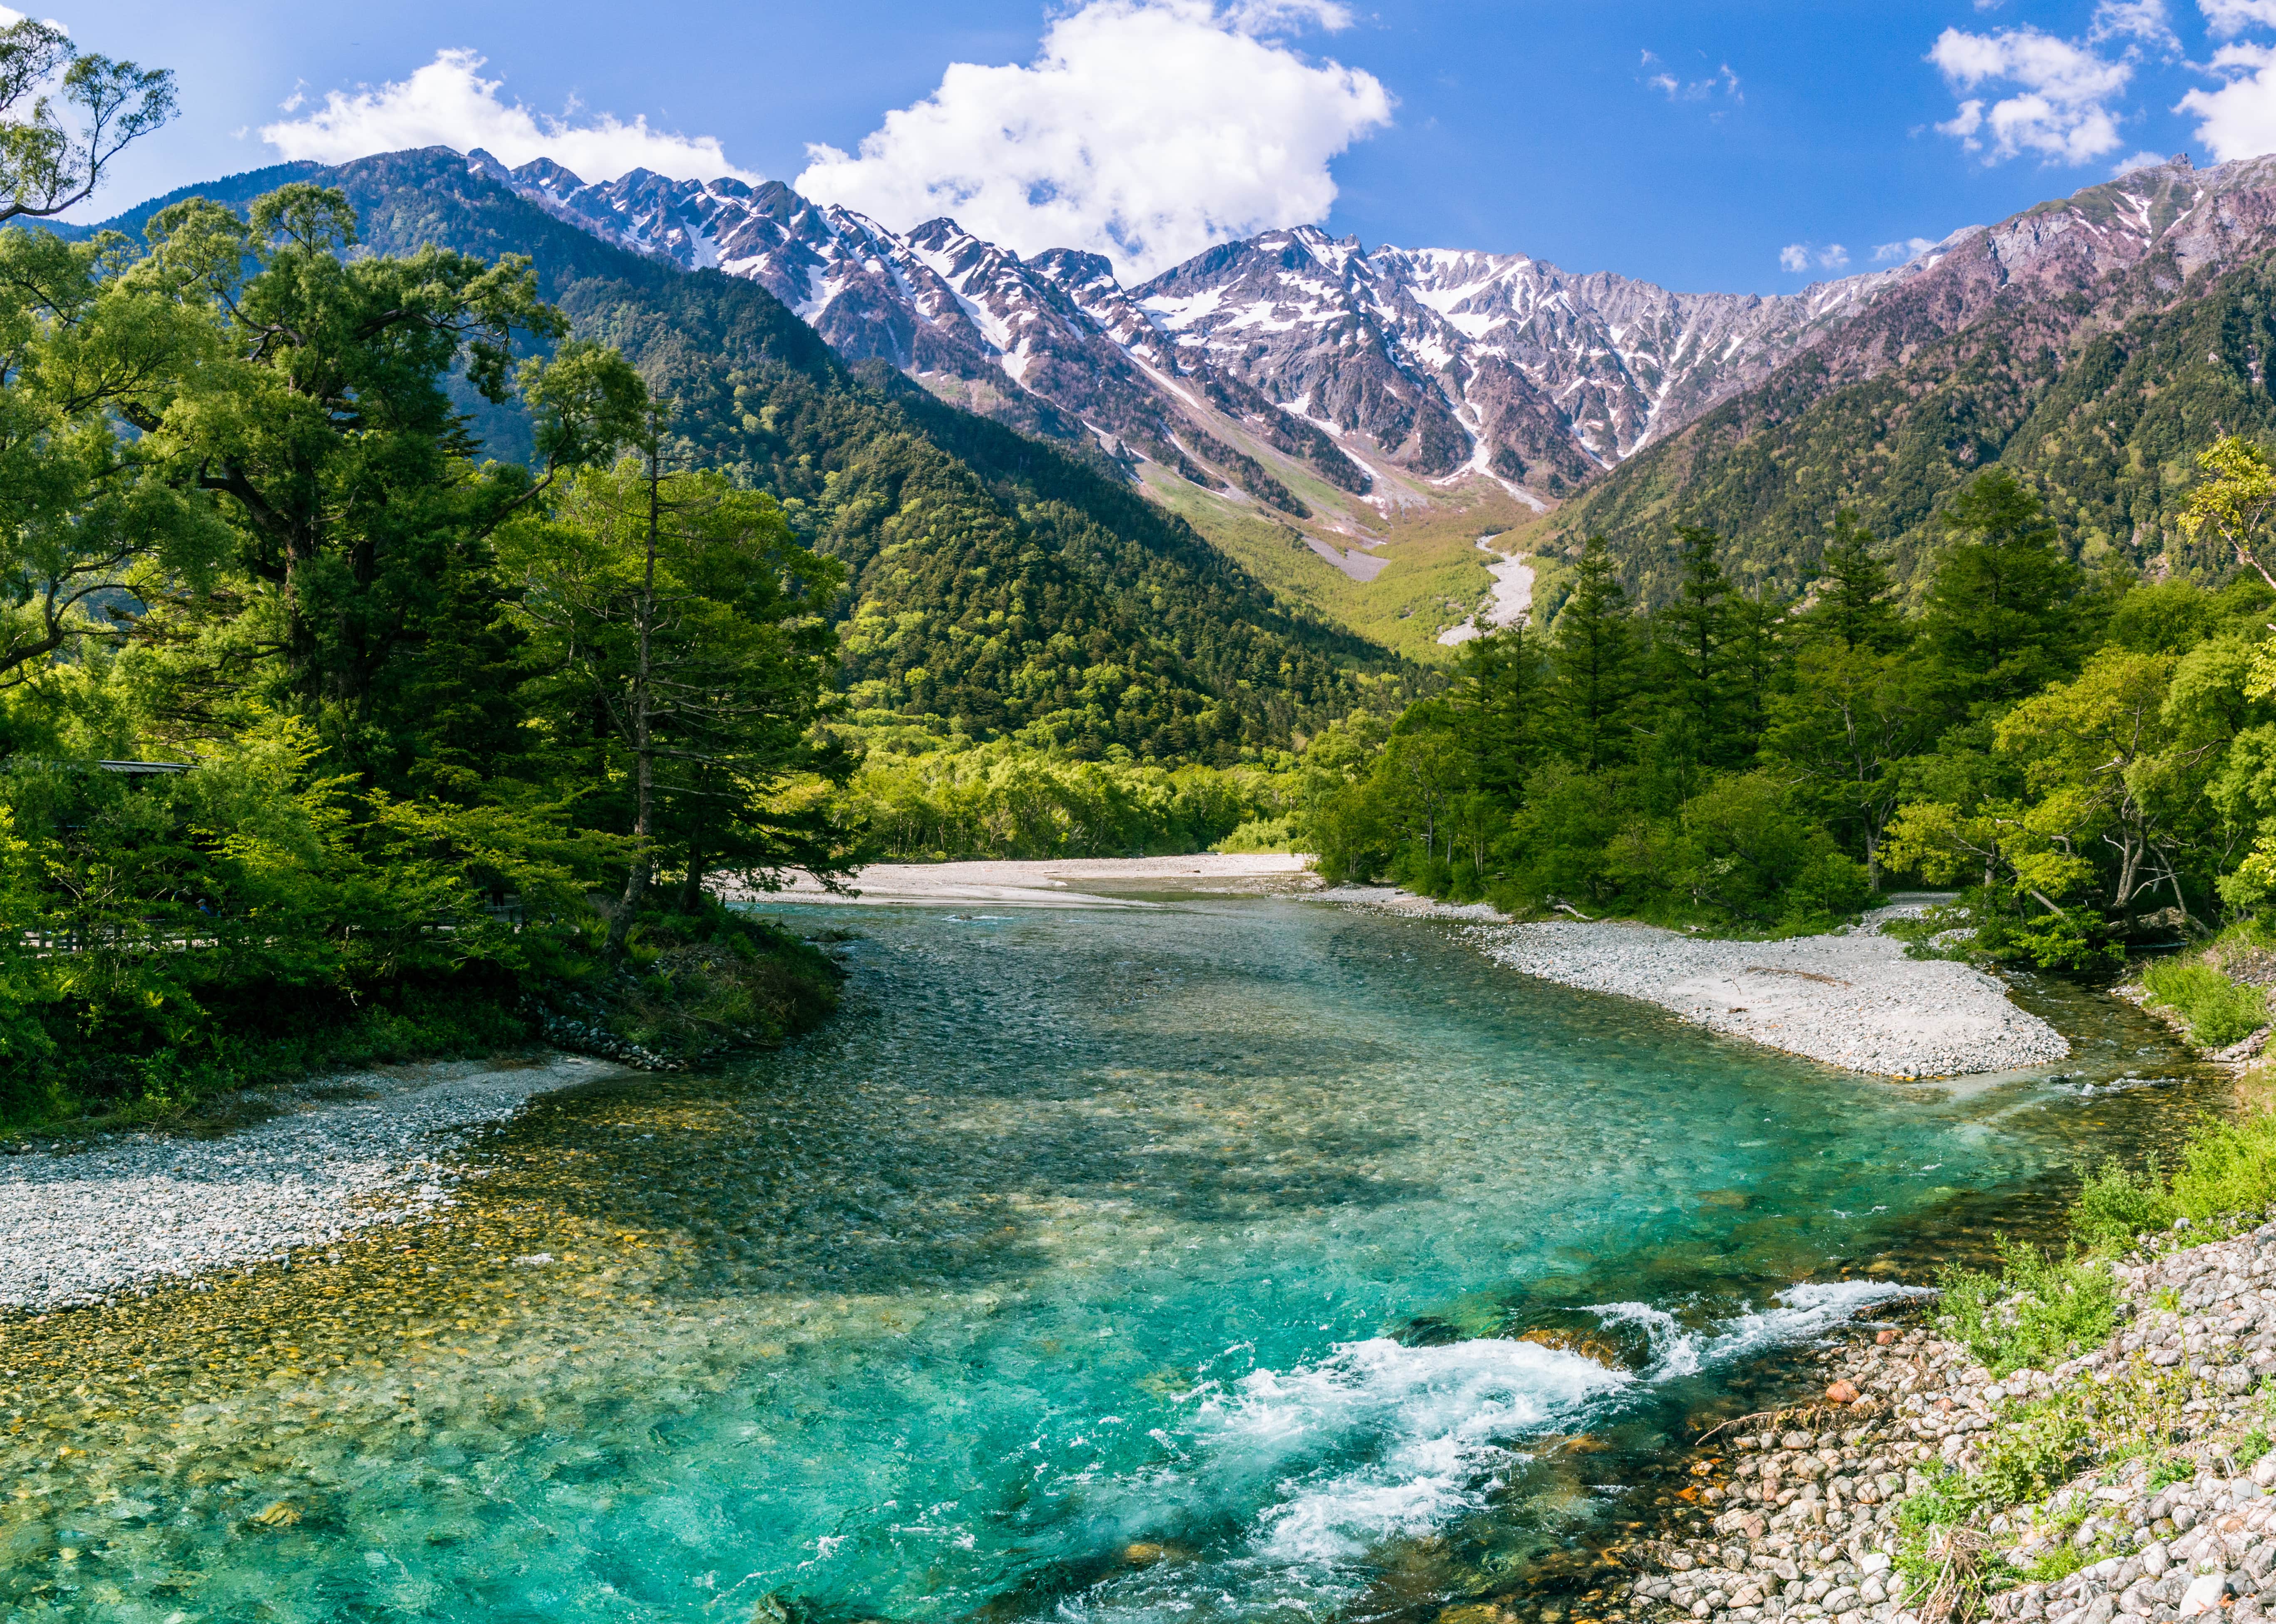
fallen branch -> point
(1767, 969)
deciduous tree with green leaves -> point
(683, 640)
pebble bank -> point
(1850, 997)
(80, 1224)
(1805, 1524)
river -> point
(1098, 1266)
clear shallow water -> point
(1099, 1267)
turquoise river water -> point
(1173, 1264)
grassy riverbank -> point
(2085, 1434)
(688, 987)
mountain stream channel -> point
(1234, 1258)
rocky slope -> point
(2095, 344)
(1810, 1519)
(1346, 361)
(1293, 372)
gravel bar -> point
(80, 1224)
(1851, 999)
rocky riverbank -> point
(2174, 1517)
(84, 1221)
(1850, 997)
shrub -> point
(2218, 1011)
(1263, 834)
(2037, 1312)
(2114, 1205)
(2228, 1170)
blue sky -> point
(1740, 147)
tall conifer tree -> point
(1594, 659)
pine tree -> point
(1503, 686)
(1594, 657)
(1758, 663)
(1853, 608)
(1691, 645)
(1998, 621)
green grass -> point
(2218, 1012)
(1434, 576)
(2226, 1178)
(2035, 1312)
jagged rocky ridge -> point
(2095, 344)
(1424, 364)
(1432, 361)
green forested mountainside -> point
(2103, 417)
(996, 583)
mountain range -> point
(1423, 363)
(1364, 435)
(1308, 385)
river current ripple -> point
(1235, 1258)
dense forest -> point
(2086, 753)
(325, 736)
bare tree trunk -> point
(643, 864)
(691, 887)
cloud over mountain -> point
(448, 103)
(2058, 105)
(1144, 130)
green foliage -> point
(2227, 1175)
(2218, 1012)
(2169, 1470)
(2035, 1447)
(2035, 1312)
(716, 980)
(66, 115)
(387, 784)
(2115, 1205)
(958, 799)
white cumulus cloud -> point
(2237, 119)
(1144, 130)
(1803, 255)
(1897, 253)
(2059, 100)
(2224, 18)
(448, 103)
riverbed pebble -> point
(1804, 1520)
(1851, 998)
(82, 1222)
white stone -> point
(2203, 1594)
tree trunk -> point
(691, 888)
(643, 734)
